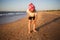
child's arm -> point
(36, 16)
(27, 12)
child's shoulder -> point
(28, 10)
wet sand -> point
(48, 28)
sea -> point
(7, 17)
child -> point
(31, 16)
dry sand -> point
(48, 28)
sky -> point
(22, 5)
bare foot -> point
(34, 30)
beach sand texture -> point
(48, 28)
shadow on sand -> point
(54, 20)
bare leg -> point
(34, 25)
(29, 24)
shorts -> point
(31, 18)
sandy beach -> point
(48, 28)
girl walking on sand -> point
(31, 16)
